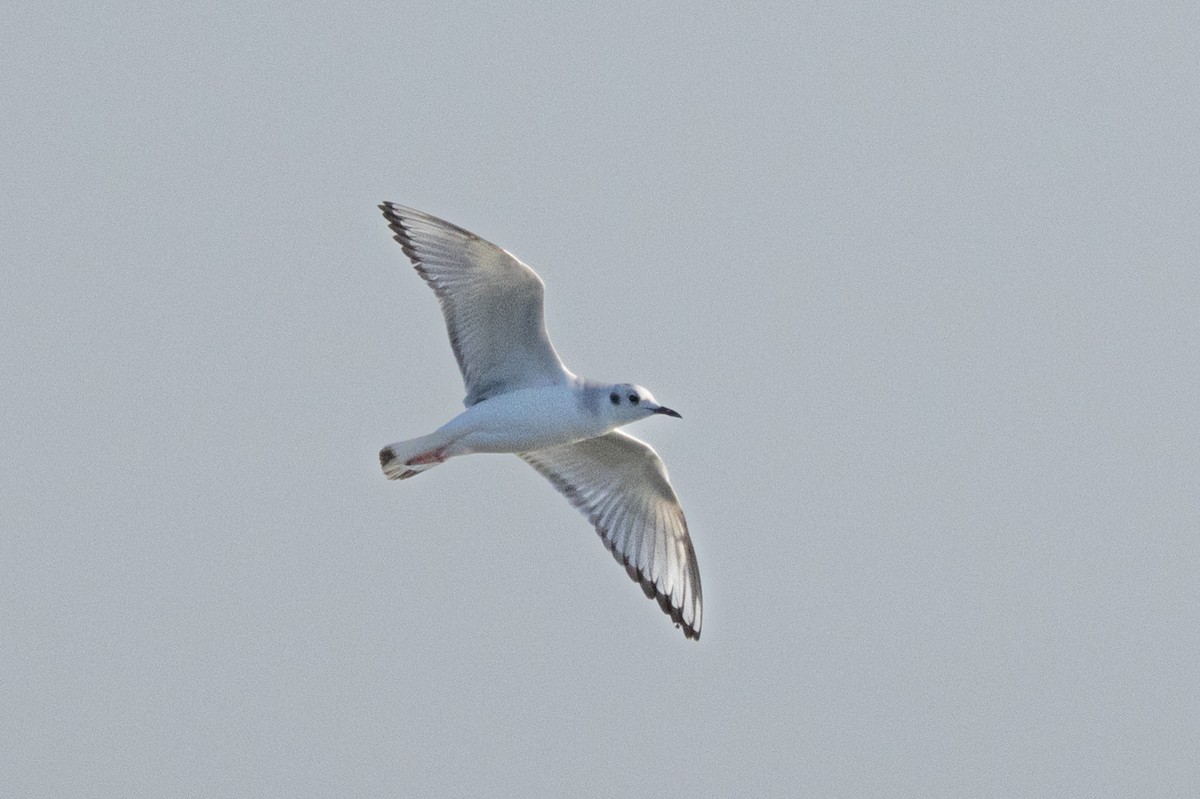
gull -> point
(521, 399)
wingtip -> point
(663, 600)
(394, 214)
(689, 632)
(391, 212)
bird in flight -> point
(521, 399)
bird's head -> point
(628, 403)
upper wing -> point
(621, 485)
(492, 303)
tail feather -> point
(406, 459)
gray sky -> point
(922, 281)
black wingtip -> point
(392, 214)
(651, 591)
(402, 235)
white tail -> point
(406, 459)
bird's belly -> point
(517, 441)
(526, 421)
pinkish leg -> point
(433, 456)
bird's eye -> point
(614, 398)
(634, 398)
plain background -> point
(922, 279)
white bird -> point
(521, 399)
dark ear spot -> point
(614, 398)
(635, 399)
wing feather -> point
(621, 485)
(493, 304)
